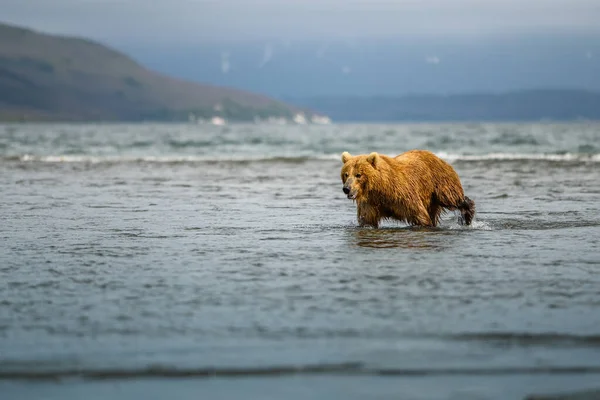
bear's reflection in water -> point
(409, 238)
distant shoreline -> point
(517, 106)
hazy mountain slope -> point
(44, 76)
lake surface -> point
(157, 260)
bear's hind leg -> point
(467, 211)
(466, 206)
(434, 211)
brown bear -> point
(413, 187)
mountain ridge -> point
(69, 78)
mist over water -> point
(152, 250)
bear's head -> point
(356, 172)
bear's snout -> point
(350, 193)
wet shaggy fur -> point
(414, 187)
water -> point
(138, 260)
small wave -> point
(557, 157)
(553, 339)
(189, 143)
(451, 157)
(348, 369)
(161, 159)
(481, 225)
(475, 225)
(566, 157)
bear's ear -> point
(345, 157)
(373, 158)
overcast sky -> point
(180, 21)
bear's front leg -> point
(367, 215)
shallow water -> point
(138, 253)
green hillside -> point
(45, 77)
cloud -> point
(225, 64)
(433, 60)
(267, 55)
(177, 21)
(322, 50)
(322, 55)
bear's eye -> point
(358, 175)
(346, 175)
